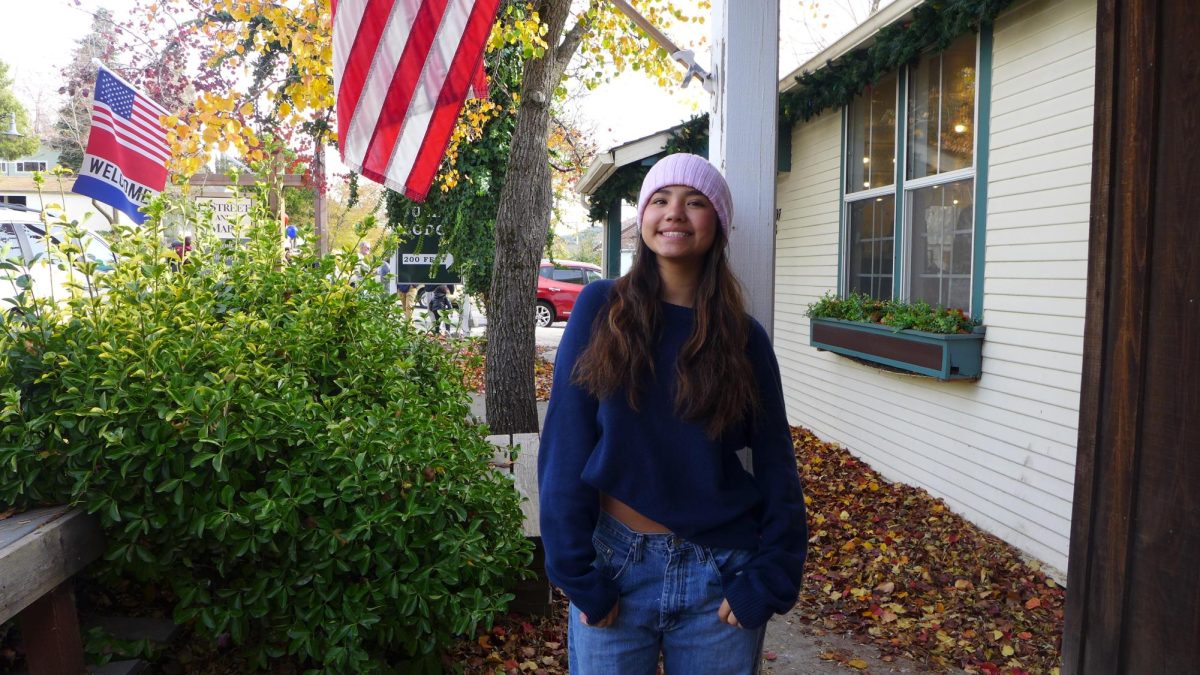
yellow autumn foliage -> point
(298, 92)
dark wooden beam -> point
(1133, 596)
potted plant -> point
(915, 337)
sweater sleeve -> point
(568, 506)
(770, 582)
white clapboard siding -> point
(1001, 451)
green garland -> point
(691, 136)
(934, 25)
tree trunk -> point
(522, 224)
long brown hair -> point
(714, 378)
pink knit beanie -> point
(695, 172)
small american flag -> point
(127, 152)
(402, 69)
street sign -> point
(418, 251)
(227, 212)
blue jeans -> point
(670, 592)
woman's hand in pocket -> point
(606, 622)
(725, 614)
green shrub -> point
(899, 315)
(275, 445)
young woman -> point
(665, 540)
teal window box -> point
(939, 355)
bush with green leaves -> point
(899, 315)
(277, 446)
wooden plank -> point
(42, 558)
(246, 180)
(22, 524)
(1162, 622)
(1095, 581)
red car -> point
(559, 284)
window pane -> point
(570, 275)
(943, 218)
(9, 246)
(871, 236)
(941, 110)
(871, 154)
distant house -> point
(962, 179)
(17, 186)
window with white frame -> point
(922, 202)
(30, 167)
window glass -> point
(941, 110)
(871, 162)
(37, 243)
(871, 241)
(10, 248)
(942, 218)
(570, 275)
(547, 272)
(592, 275)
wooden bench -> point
(39, 552)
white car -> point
(23, 243)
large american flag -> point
(127, 152)
(402, 69)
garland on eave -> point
(933, 26)
(624, 184)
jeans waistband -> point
(616, 532)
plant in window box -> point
(915, 337)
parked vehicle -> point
(23, 243)
(559, 284)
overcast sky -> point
(39, 37)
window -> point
(593, 275)
(30, 167)
(909, 221)
(10, 248)
(21, 200)
(570, 275)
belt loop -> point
(639, 544)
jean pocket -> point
(726, 563)
(612, 558)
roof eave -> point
(860, 36)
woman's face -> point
(679, 224)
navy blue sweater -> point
(670, 471)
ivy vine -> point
(933, 26)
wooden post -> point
(742, 130)
(50, 630)
(1133, 594)
(319, 210)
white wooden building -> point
(1010, 164)
(981, 156)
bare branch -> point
(570, 42)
